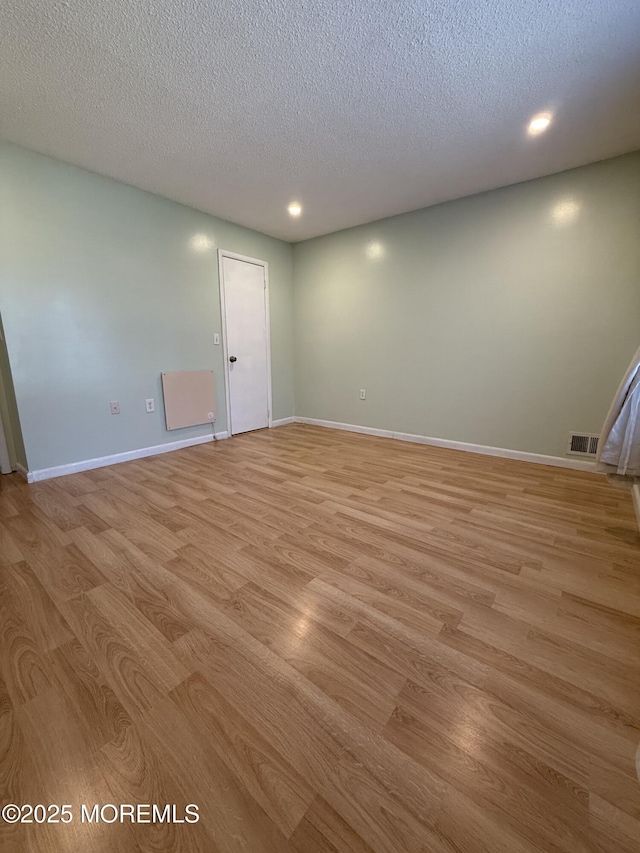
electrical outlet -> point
(150, 404)
(216, 339)
(115, 407)
(363, 394)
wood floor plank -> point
(69, 774)
(322, 830)
(121, 655)
(9, 548)
(23, 666)
(507, 783)
(20, 783)
(230, 814)
(272, 781)
(136, 771)
(324, 734)
(612, 829)
(332, 643)
(98, 713)
(468, 827)
(66, 572)
(24, 594)
(355, 679)
(543, 679)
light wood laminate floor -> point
(328, 642)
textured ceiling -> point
(358, 108)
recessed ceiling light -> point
(295, 208)
(539, 124)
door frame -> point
(6, 466)
(7, 444)
(222, 254)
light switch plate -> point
(115, 407)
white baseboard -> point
(128, 456)
(102, 461)
(382, 433)
(504, 453)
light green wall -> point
(100, 291)
(483, 320)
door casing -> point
(224, 253)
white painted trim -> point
(5, 461)
(224, 253)
(127, 456)
(23, 472)
(635, 492)
(283, 422)
(267, 311)
(504, 453)
(7, 447)
(382, 433)
(257, 261)
(225, 350)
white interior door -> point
(246, 350)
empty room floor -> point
(327, 642)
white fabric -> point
(619, 445)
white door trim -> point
(7, 447)
(224, 253)
(5, 460)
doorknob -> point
(232, 358)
